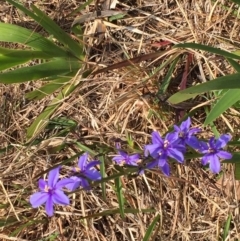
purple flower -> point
(50, 192)
(162, 149)
(124, 158)
(185, 134)
(213, 151)
(85, 170)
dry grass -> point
(193, 205)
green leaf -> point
(42, 120)
(234, 64)
(151, 228)
(211, 124)
(117, 16)
(83, 6)
(16, 57)
(118, 186)
(236, 1)
(168, 77)
(51, 27)
(8, 62)
(54, 67)
(209, 49)
(15, 34)
(115, 211)
(235, 158)
(86, 149)
(48, 88)
(25, 226)
(226, 101)
(225, 82)
(61, 122)
(226, 228)
(103, 174)
(8, 221)
(237, 171)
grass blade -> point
(42, 120)
(209, 49)
(15, 34)
(226, 101)
(168, 77)
(118, 186)
(115, 211)
(225, 82)
(237, 170)
(226, 228)
(151, 228)
(234, 64)
(48, 88)
(103, 174)
(49, 25)
(51, 68)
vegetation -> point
(125, 118)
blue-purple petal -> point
(156, 138)
(53, 176)
(64, 182)
(205, 159)
(194, 143)
(133, 159)
(59, 197)
(162, 160)
(92, 164)
(177, 129)
(123, 154)
(42, 184)
(118, 159)
(172, 137)
(75, 184)
(152, 164)
(85, 184)
(82, 161)
(93, 175)
(193, 131)
(203, 147)
(185, 125)
(215, 165)
(49, 207)
(224, 155)
(152, 149)
(176, 154)
(222, 141)
(165, 169)
(38, 198)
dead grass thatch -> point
(193, 205)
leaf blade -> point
(151, 228)
(226, 101)
(51, 68)
(16, 34)
(225, 82)
(118, 186)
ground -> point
(193, 203)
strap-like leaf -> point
(226, 101)
(15, 34)
(225, 82)
(54, 67)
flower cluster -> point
(51, 190)
(174, 146)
